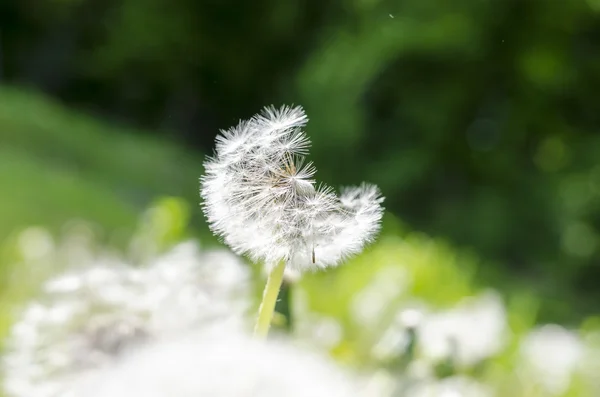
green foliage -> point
(471, 117)
(60, 165)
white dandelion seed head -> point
(224, 365)
(87, 318)
(260, 197)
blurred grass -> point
(40, 194)
(56, 164)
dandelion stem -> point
(267, 306)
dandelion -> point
(260, 197)
(551, 355)
(468, 333)
(224, 365)
(86, 318)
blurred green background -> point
(479, 120)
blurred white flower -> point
(35, 243)
(259, 196)
(551, 354)
(397, 338)
(88, 317)
(223, 365)
(468, 333)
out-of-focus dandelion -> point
(223, 365)
(551, 355)
(87, 318)
(260, 197)
(468, 333)
(463, 336)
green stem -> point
(267, 306)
